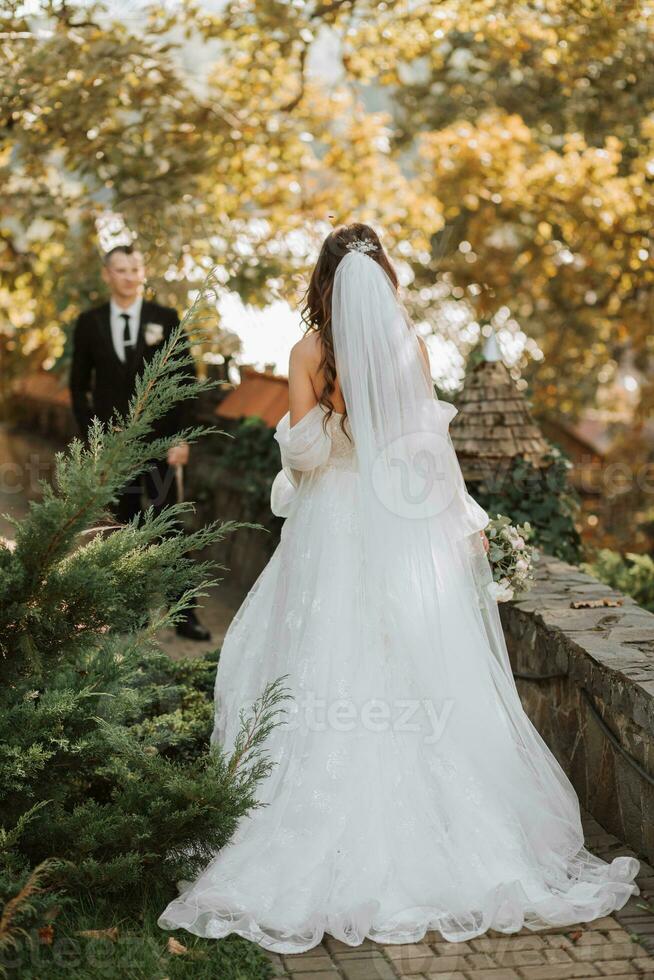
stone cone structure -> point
(494, 423)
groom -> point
(111, 344)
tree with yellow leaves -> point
(506, 150)
(241, 175)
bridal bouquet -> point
(511, 558)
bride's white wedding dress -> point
(410, 791)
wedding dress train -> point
(410, 791)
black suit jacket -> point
(100, 383)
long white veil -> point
(413, 496)
(425, 588)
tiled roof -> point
(42, 386)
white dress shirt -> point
(118, 325)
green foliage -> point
(543, 498)
(630, 573)
(123, 813)
(253, 448)
(104, 758)
(176, 708)
(171, 722)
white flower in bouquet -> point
(500, 591)
(511, 558)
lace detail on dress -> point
(342, 455)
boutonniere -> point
(153, 334)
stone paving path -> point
(617, 946)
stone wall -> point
(586, 679)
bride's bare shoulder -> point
(308, 350)
(306, 356)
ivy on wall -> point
(541, 496)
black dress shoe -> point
(191, 628)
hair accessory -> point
(362, 245)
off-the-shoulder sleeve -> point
(306, 445)
(282, 494)
(303, 447)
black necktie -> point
(128, 349)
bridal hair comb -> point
(362, 245)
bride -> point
(410, 790)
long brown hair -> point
(317, 309)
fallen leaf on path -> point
(595, 603)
